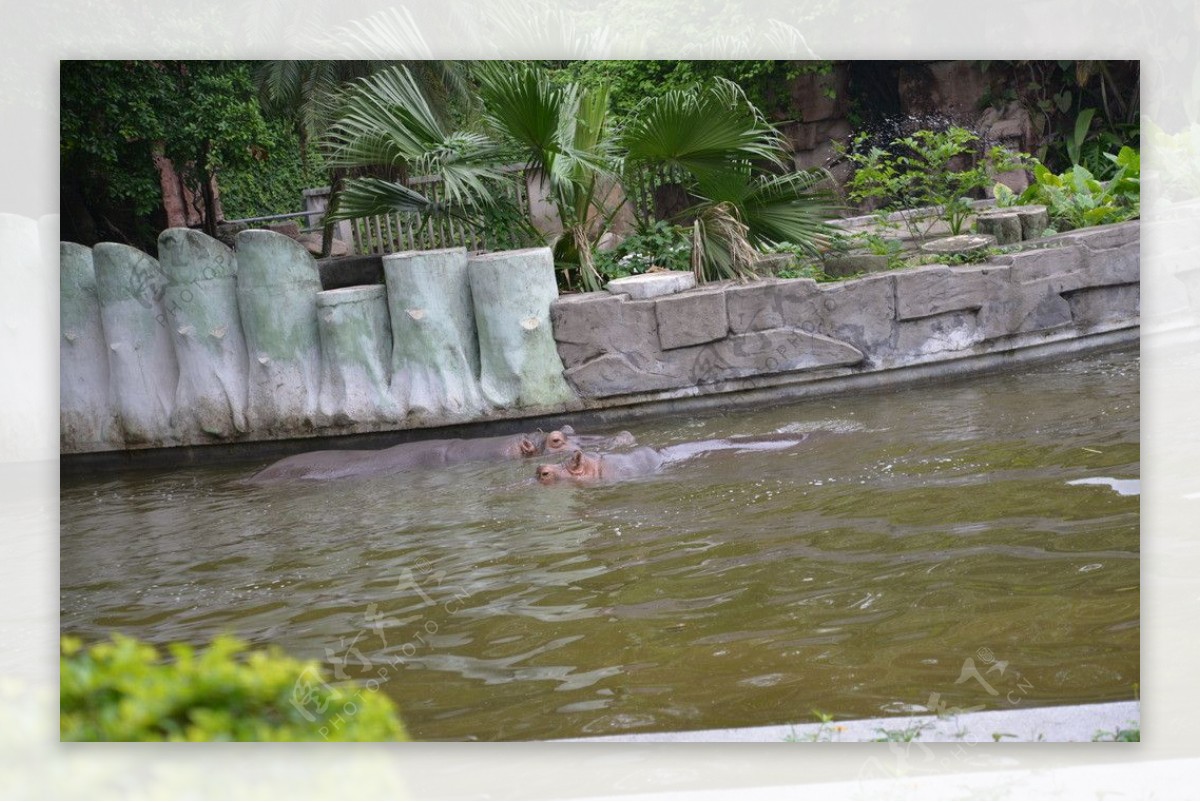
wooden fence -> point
(392, 233)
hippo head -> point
(555, 442)
(579, 468)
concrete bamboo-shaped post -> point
(356, 351)
(435, 355)
(86, 418)
(278, 282)
(202, 315)
(519, 363)
(142, 368)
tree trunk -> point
(174, 203)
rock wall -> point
(209, 345)
(618, 343)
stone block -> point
(590, 324)
(1098, 306)
(941, 333)
(692, 318)
(861, 312)
(755, 306)
(935, 289)
(1120, 265)
(1063, 265)
(802, 304)
(1101, 238)
(652, 285)
(959, 244)
(854, 264)
(621, 374)
(1005, 226)
(1025, 307)
(759, 353)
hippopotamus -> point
(345, 463)
(592, 468)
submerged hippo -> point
(342, 463)
(590, 468)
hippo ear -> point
(528, 449)
(567, 428)
(575, 464)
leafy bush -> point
(1077, 199)
(274, 183)
(124, 690)
(659, 245)
(917, 172)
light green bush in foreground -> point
(125, 690)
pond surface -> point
(955, 545)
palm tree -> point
(561, 134)
(734, 169)
(731, 162)
(311, 93)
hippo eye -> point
(557, 440)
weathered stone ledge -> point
(732, 345)
(1071, 285)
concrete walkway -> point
(1034, 724)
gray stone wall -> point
(212, 346)
(1072, 285)
(216, 347)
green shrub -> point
(916, 172)
(124, 690)
(1077, 199)
(658, 245)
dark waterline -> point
(955, 545)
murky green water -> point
(925, 548)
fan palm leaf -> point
(386, 121)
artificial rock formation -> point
(142, 367)
(278, 282)
(356, 345)
(86, 416)
(435, 351)
(519, 364)
(201, 312)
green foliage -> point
(871, 242)
(124, 690)
(116, 116)
(1129, 734)
(766, 83)
(922, 171)
(660, 245)
(275, 183)
(708, 138)
(723, 149)
(1079, 109)
(1077, 199)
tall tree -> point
(132, 128)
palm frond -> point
(368, 196)
(705, 130)
(385, 120)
